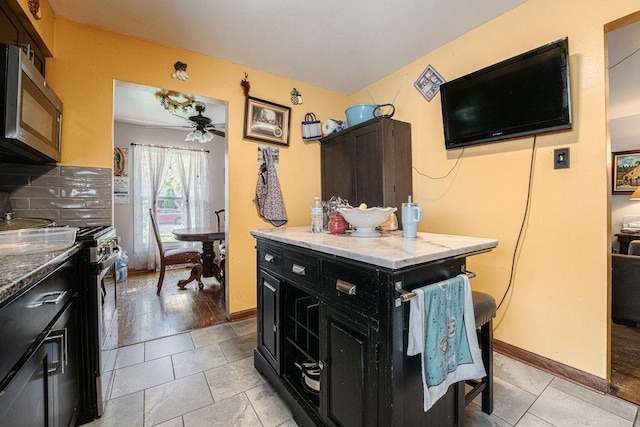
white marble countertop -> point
(390, 250)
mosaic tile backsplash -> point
(70, 195)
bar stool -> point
(484, 308)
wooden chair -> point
(175, 257)
(222, 247)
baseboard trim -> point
(245, 314)
(551, 366)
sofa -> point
(625, 289)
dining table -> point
(208, 236)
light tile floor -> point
(206, 378)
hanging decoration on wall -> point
(246, 86)
(173, 101)
(311, 129)
(181, 71)
(428, 84)
(34, 8)
(296, 97)
(121, 184)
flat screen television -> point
(524, 95)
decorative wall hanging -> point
(266, 121)
(625, 171)
(121, 183)
(246, 86)
(173, 101)
(311, 128)
(428, 84)
(296, 97)
(34, 8)
(181, 71)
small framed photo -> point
(265, 121)
(626, 171)
(428, 84)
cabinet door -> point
(63, 369)
(8, 31)
(269, 318)
(349, 374)
(368, 166)
(338, 174)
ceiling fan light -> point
(190, 136)
(206, 137)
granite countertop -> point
(390, 250)
(19, 271)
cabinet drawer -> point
(301, 268)
(270, 257)
(351, 287)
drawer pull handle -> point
(298, 269)
(269, 258)
(51, 298)
(345, 287)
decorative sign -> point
(429, 83)
(121, 184)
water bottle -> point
(316, 216)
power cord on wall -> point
(443, 176)
(525, 219)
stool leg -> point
(486, 345)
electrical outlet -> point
(561, 158)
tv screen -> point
(524, 95)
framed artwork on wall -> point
(265, 121)
(625, 170)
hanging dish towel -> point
(442, 330)
(268, 194)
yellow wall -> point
(558, 304)
(88, 59)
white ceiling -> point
(334, 44)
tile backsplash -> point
(69, 195)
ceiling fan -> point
(202, 128)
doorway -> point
(146, 115)
(624, 115)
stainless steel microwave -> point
(30, 113)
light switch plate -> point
(561, 158)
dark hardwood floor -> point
(142, 315)
(625, 362)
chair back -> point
(156, 232)
(220, 215)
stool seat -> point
(484, 307)
(484, 310)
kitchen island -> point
(332, 325)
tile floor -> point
(206, 378)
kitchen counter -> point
(19, 271)
(390, 250)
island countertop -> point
(389, 250)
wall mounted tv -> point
(524, 95)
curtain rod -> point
(169, 146)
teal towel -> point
(442, 329)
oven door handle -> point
(104, 265)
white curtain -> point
(193, 174)
(150, 167)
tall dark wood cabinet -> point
(368, 163)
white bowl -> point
(366, 220)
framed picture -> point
(265, 121)
(626, 171)
(428, 84)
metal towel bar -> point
(406, 295)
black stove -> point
(98, 255)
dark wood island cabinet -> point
(330, 301)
